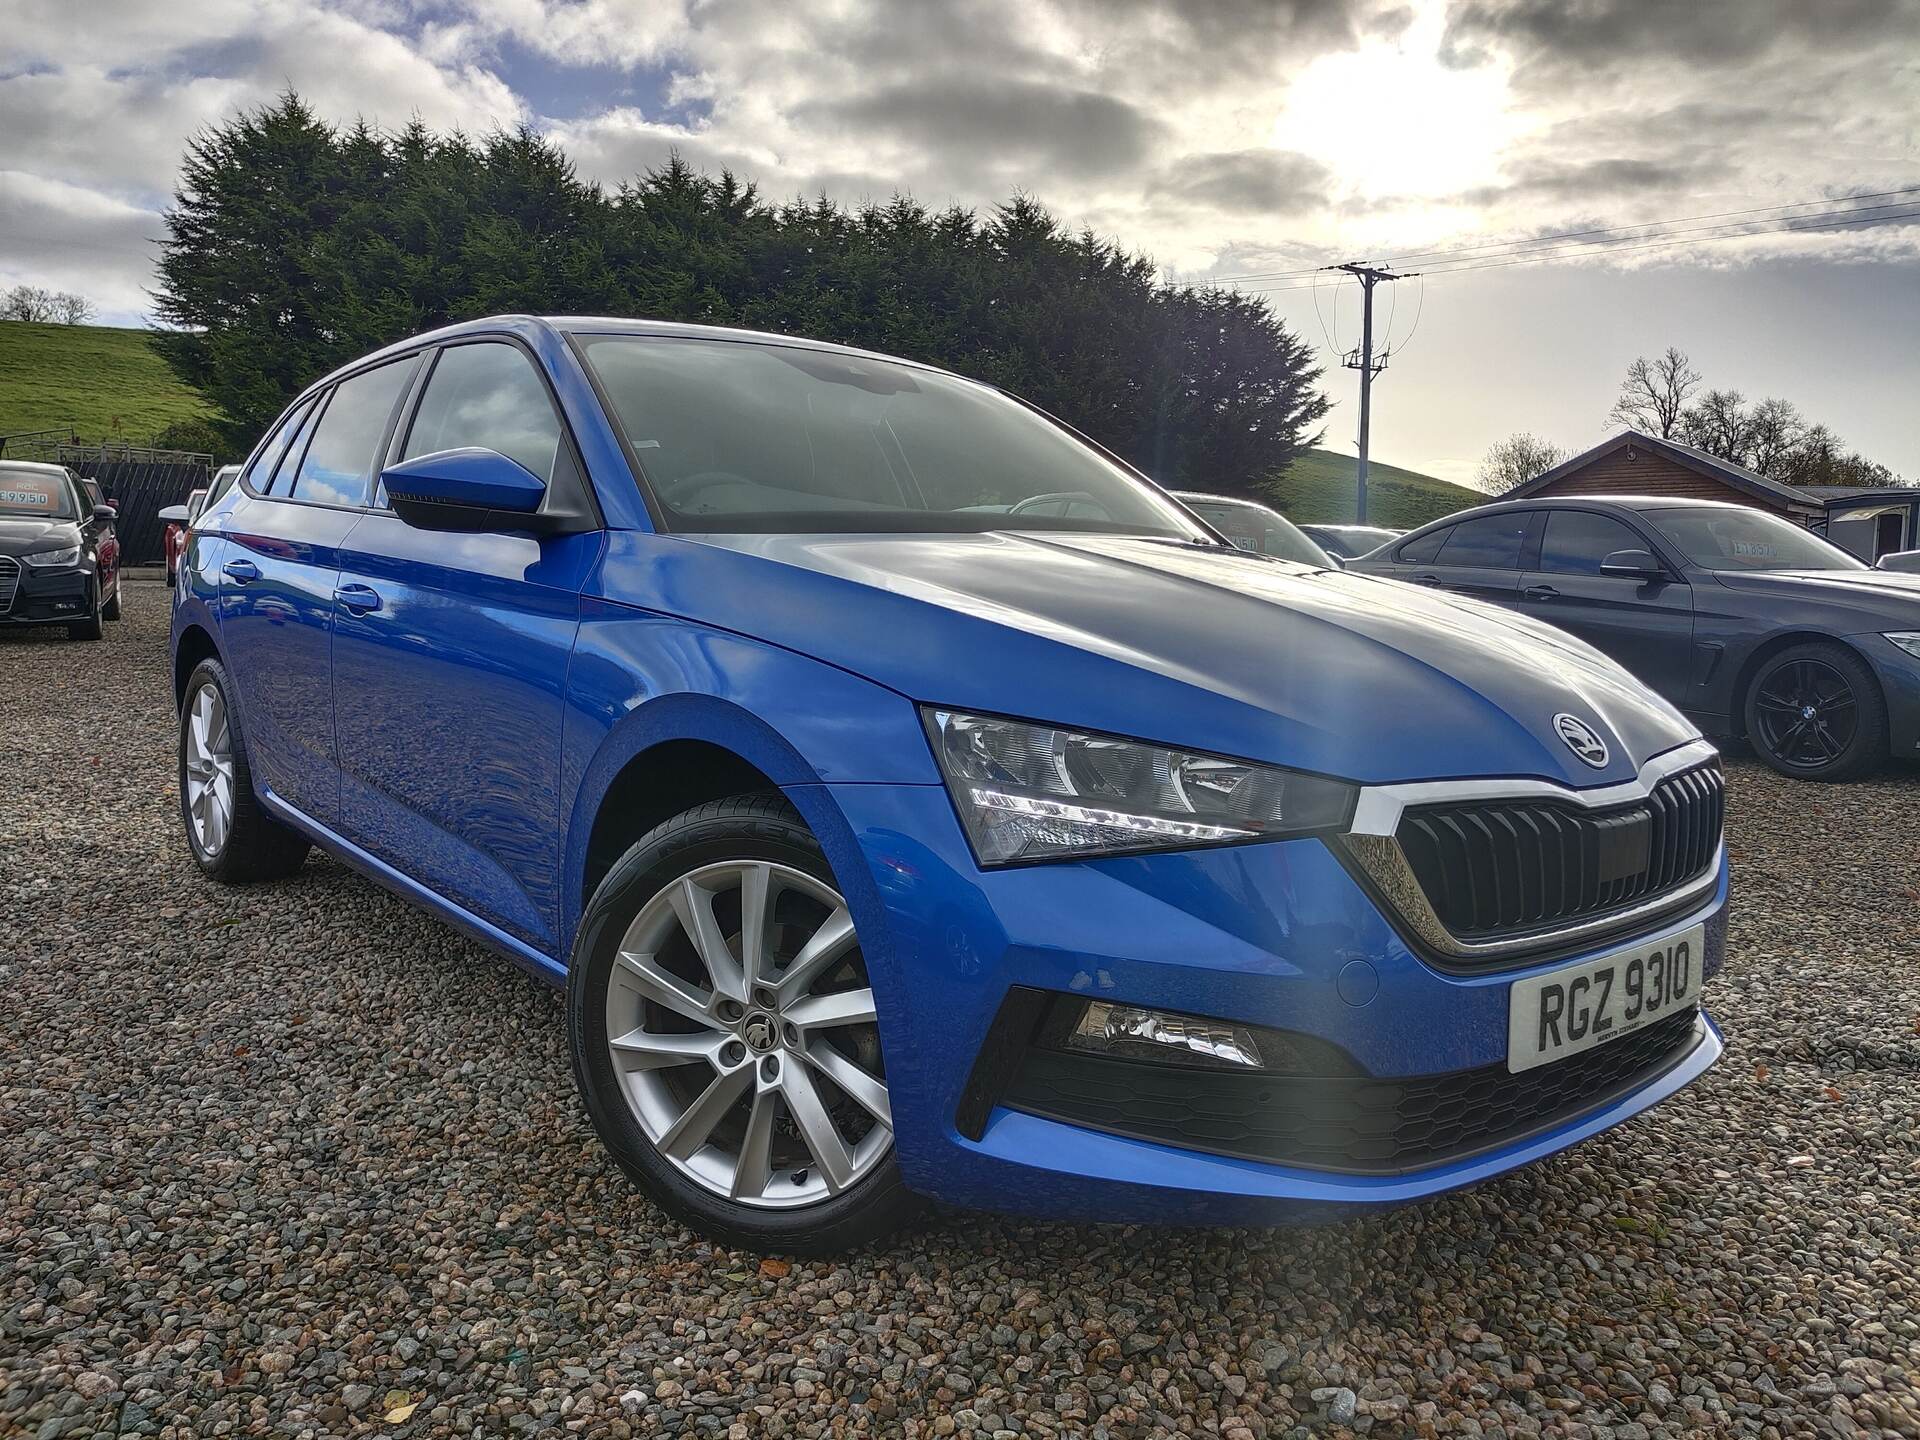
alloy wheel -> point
(741, 1028)
(1807, 713)
(209, 769)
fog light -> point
(1128, 1030)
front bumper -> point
(48, 597)
(1899, 677)
(1277, 935)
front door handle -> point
(241, 571)
(1540, 592)
(358, 599)
(1426, 579)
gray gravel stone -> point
(271, 1150)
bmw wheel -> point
(725, 1037)
(1815, 712)
(232, 838)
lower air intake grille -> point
(1356, 1125)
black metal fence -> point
(138, 479)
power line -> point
(1499, 248)
(1838, 220)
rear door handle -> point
(1540, 592)
(358, 599)
(241, 571)
(1426, 579)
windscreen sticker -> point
(1756, 550)
(34, 498)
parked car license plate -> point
(1550, 1017)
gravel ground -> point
(294, 1159)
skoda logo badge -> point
(1582, 739)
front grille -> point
(1495, 868)
(1357, 1125)
(9, 581)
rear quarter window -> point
(1422, 549)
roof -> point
(1737, 477)
(1844, 496)
(38, 467)
(532, 328)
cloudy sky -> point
(1226, 138)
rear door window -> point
(339, 461)
(1577, 541)
(1490, 542)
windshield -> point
(36, 495)
(737, 436)
(1254, 527)
(1737, 538)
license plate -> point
(1567, 1011)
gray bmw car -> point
(1750, 625)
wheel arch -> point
(194, 644)
(1773, 645)
(678, 751)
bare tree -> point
(45, 307)
(1719, 424)
(1517, 459)
(1654, 395)
(27, 302)
(1774, 430)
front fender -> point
(640, 679)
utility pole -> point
(1365, 362)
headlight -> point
(1907, 640)
(52, 558)
(1036, 792)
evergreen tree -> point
(294, 246)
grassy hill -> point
(107, 383)
(1318, 487)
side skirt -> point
(540, 966)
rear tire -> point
(231, 837)
(1815, 712)
(722, 1111)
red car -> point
(179, 517)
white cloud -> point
(1220, 136)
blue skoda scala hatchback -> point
(915, 801)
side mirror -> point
(469, 489)
(1904, 562)
(175, 515)
(1633, 565)
(106, 514)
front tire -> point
(111, 610)
(1814, 712)
(724, 1035)
(230, 836)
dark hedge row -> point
(293, 246)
